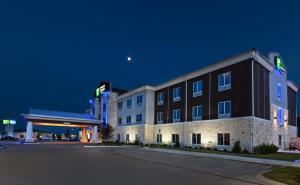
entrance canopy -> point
(61, 119)
(55, 118)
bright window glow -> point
(279, 91)
(280, 116)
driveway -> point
(73, 164)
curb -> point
(263, 179)
(229, 157)
(103, 146)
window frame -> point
(120, 105)
(224, 139)
(120, 120)
(224, 114)
(140, 120)
(198, 117)
(197, 138)
(129, 106)
(139, 97)
(158, 138)
(127, 138)
(224, 86)
(161, 116)
(177, 114)
(175, 137)
(128, 122)
(160, 98)
(176, 96)
(197, 93)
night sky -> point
(54, 53)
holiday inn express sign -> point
(279, 64)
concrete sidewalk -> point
(228, 157)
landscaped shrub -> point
(245, 151)
(237, 147)
(265, 149)
(136, 142)
(146, 145)
(177, 144)
(225, 150)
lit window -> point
(224, 139)
(160, 117)
(280, 116)
(139, 118)
(197, 88)
(176, 115)
(224, 109)
(197, 113)
(279, 91)
(224, 81)
(196, 139)
(160, 98)
(129, 103)
(139, 100)
(128, 119)
(176, 94)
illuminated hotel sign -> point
(8, 122)
(104, 87)
(279, 64)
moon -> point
(129, 59)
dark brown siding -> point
(177, 105)
(200, 100)
(292, 106)
(162, 108)
(240, 93)
(261, 92)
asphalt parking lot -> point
(42, 164)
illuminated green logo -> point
(279, 64)
(98, 92)
(9, 122)
(5, 122)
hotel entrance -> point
(86, 123)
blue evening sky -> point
(54, 53)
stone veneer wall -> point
(268, 131)
(239, 128)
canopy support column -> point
(29, 133)
(95, 135)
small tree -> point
(106, 133)
(237, 147)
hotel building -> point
(244, 98)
